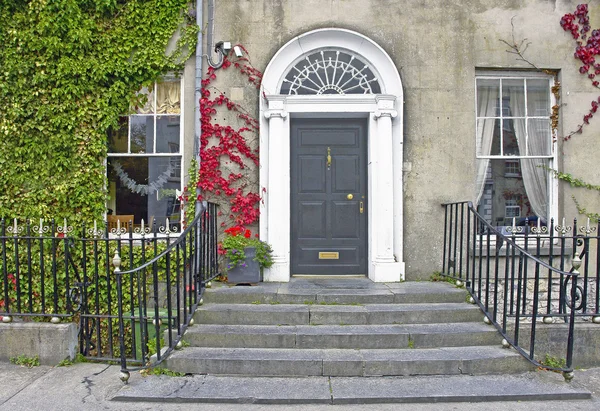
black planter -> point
(250, 274)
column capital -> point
(278, 113)
(386, 106)
(385, 113)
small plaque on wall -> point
(329, 255)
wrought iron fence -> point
(157, 300)
(55, 272)
(524, 275)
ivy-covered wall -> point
(69, 68)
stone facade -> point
(437, 48)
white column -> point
(384, 266)
(278, 192)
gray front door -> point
(328, 196)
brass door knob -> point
(349, 196)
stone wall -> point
(52, 343)
(437, 48)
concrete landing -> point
(532, 386)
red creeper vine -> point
(578, 24)
(223, 143)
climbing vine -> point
(68, 70)
(587, 48)
(229, 155)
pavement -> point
(92, 386)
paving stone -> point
(244, 390)
(350, 390)
(525, 387)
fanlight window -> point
(330, 72)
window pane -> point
(167, 134)
(145, 101)
(117, 138)
(142, 134)
(145, 187)
(513, 134)
(168, 97)
(540, 137)
(487, 97)
(488, 137)
(538, 97)
(513, 92)
(512, 195)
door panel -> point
(311, 174)
(345, 224)
(344, 169)
(328, 229)
(311, 220)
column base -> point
(279, 272)
(386, 272)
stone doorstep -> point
(350, 390)
(342, 336)
(294, 314)
(346, 362)
(298, 292)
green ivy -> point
(68, 69)
(573, 181)
(578, 183)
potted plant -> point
(246, 256)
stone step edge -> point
(349, 390)
(420, 328)
(462, 353)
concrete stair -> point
(342, 327)
(345, 341)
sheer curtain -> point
(487, 102)
(167, 97)
(535, 176)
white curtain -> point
(167, 97)
(535, 176)
(487, 102)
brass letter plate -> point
(329, 255)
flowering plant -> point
(236, 239)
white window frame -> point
(168, 153)
(510, 168)
(512, 204)
(523, 75)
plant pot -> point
(247, 273)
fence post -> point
(124, 376)
(568, 374)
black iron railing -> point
(157, 299)
(55, 272)
(524, 275)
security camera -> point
(223, 47)
(238, 51)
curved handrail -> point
(188, 282)
(513, 244)
(170, 247)
(454, 237)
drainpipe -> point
(197, 93)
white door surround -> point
(385, 149)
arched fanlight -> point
(330, 72)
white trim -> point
(525, 75)
(385, 150)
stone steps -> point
(338, 314)
(345, 341)
(343, 336)
(353, 291)
(346, 362)
(341, 327)
(534, 386)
